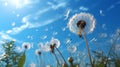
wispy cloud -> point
(27, 25)
(53, 6)
(4, 36)
(16, 30)
(33, 20)
(39, 24)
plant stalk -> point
(61, 55)
(89, 55)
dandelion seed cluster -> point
(87, 17)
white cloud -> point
(33, 20)
(16, 30)
(83, 8)
(36, 16)
(42, 11)
(28, 24)
(1, 42)
(39, 24)
(6, 36)
(53, 6)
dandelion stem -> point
(61, 54)
(56, 58)
(89, 55)
(40, 60)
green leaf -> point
(117, 64)
(22, 60)
(75, 65)
(100, 65)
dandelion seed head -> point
(32, 65)
(38, 52)
(72, 48)
(64, 65)
(55, 42)
(88, 25)
(40, 44)
(48, 66)
(70, 59)
(26, 45)
(52, 48)
(45, 47)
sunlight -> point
(20, 3)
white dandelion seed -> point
(44, 37)
(55, 33)
(89, 19)
(67, 41)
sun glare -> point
(19, 3)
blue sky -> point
(40, 20)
